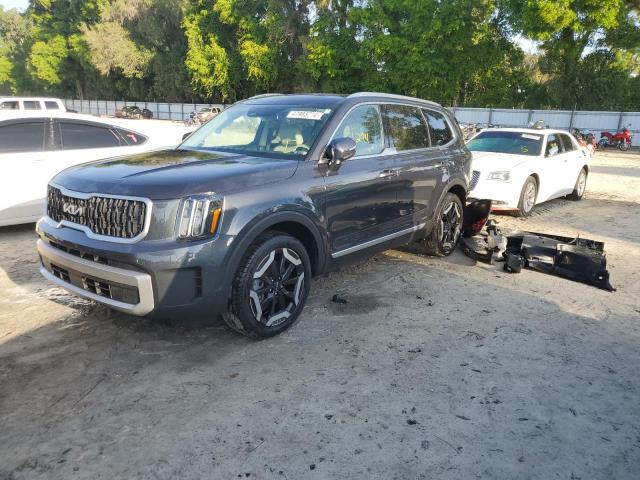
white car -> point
(518, 168)
(35, 146)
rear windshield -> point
(279, 131)
(517, 143)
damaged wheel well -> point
(460, 192)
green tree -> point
(568, 30)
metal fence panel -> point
(595, 122)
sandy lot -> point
(436, 368)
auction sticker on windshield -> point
(530, 137)
(305, 114)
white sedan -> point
(35, 146)
(518, 168)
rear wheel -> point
(580, 187)
(446, 232)
(527, 197)
(270, 287)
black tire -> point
(580, 186)
(528, 197)
(447, 229)
(258, 311)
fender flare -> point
(253, 230)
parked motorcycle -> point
(622, 139)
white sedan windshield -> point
(517, 143)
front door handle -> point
(388, 173)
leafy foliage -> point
(457, 52)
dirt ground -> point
(435, 368)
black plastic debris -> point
(579, 259)
(338, 299)
(513, 263)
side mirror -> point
(339, 150)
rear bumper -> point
(116, 287)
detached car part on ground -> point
(270, 192)
(579, 259)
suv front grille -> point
(111, 217)
(475, 176)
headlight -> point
(199, 216)
(500, 176)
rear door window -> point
(567, 143)
(554, 146)
(406, 127)
(83, 135)
(132, 138)
(31, 105)
(49, 105)
(438, 128)
(22, 137)
(363, 126)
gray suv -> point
(271, 192)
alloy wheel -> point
(451, 225)
(276, 287)
(582, 183)
(529, 197)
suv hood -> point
(496, 162)
(169, 174)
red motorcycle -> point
(622, 140)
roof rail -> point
(388, 95)
(264, 95)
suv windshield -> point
(281, 131)
(518, 143)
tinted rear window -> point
(49, 105)
(31, 105)
(78, 135)
(407, 127)
(10, 105)
(22, 137)
(438, 128)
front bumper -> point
(125, 290)
(153, 278)
(503, 195)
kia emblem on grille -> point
(72, 209)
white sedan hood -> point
(497, 162)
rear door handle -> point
(388, 173)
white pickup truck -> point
(31, 103)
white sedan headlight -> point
(503, 176)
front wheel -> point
(446, 232)
(624, 146)
(270, 287)
(580, 187)
(527, 197)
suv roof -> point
(319, 100)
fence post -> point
(490, 115)
(573, 112)
(182, 111)
(620, 121)
(157, 111)
(169, 107)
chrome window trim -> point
(392, 150)
(378, 240)
(87, 231)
